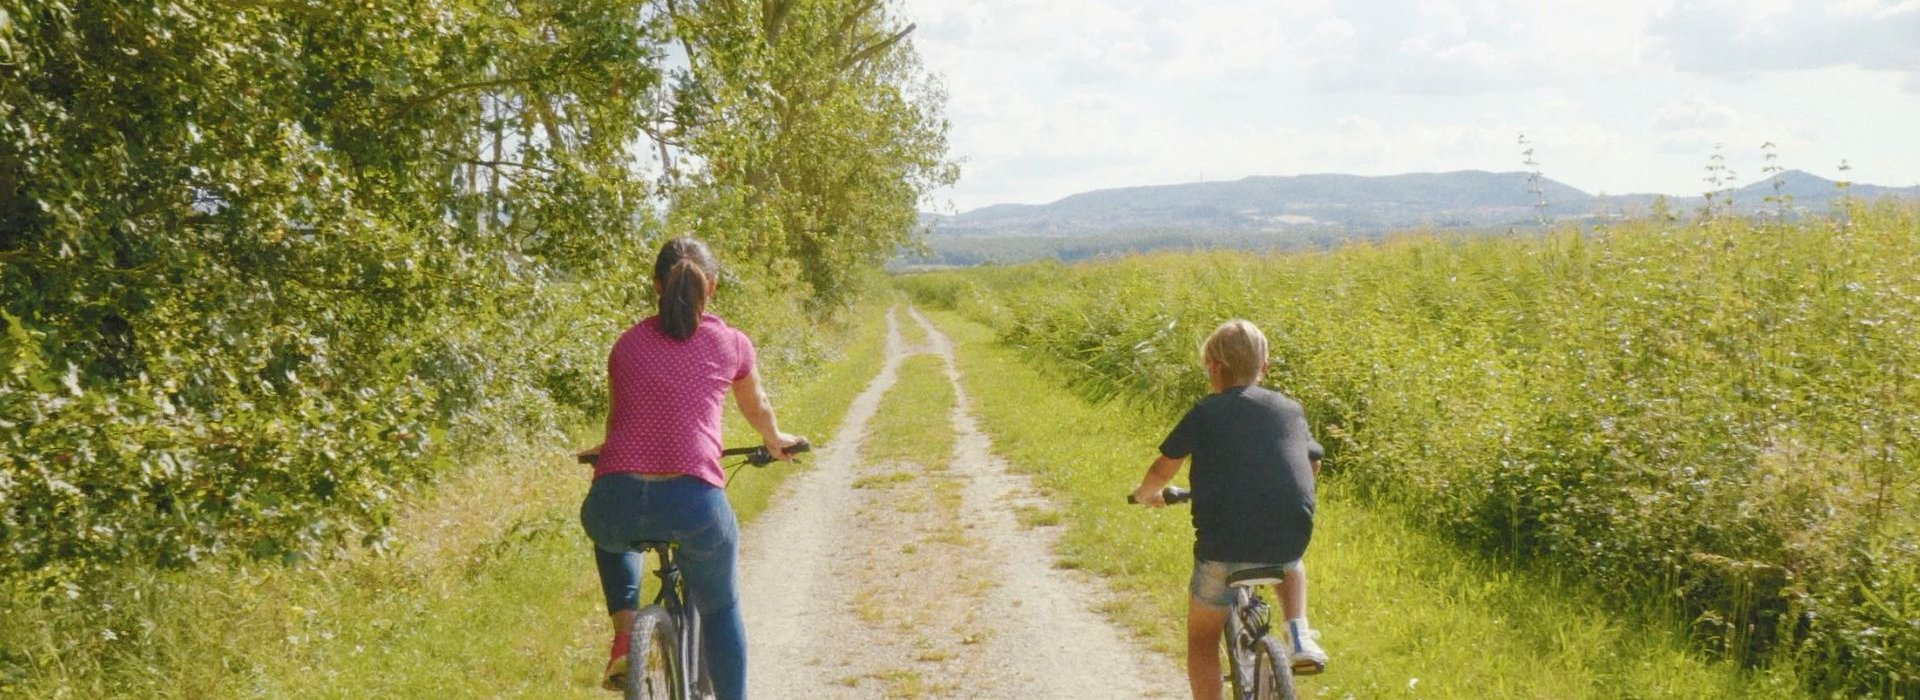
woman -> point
(658, 473)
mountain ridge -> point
(1329, 202)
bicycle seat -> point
(1257, 577)
(648, 545)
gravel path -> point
(904, 580)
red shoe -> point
(615, 677)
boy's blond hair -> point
(1239, 348)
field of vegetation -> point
(1398, 608)
(1716, 416)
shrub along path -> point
(487, 592)
(898, 565)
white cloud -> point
(1329, 31)
(1052, 98)
(1692, 112)
(1716, 37)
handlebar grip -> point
(1170, 494)
(760, 457)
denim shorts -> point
(1209, 582)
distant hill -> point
(1322, 206)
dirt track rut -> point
(900, 580)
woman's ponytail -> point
(682, 271)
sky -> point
(1047, 98)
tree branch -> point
(420, 100)
(544, 112)
(846, 25)
(673, 10)
(776, 14)
(862, 55)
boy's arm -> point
(1158, 475)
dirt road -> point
(907, 580)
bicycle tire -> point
(1239, 666)
(653, 657)
(1272, 671)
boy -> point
(1254, 464)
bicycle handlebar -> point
(1172, 495)
(757, 456)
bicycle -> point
(1258, 666)
(665, 639)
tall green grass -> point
(1722, 417)
(488, 592)
(1400, 611)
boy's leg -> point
(1208, 599)
(1308, 657)
(1292, 592)
(1204, 625)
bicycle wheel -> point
(1239, 664)
(653, 657)
(1272, 674)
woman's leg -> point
(612, 518)
(709, 541)
(620, 584)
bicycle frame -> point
(1247, 621)
(693, 679)
(676, 600)
(1249, 624)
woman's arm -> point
(594, 451)
(753, 403)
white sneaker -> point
(1308, 657)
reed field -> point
(1401, 612)
(1720, 417)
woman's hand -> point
(585, 456)
(778, 446)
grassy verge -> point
(490, 593)
(913, 423)
(1403, 614)
(912, 336)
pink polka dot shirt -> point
(667, 396)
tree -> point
(260, 261)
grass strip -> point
(1403, 613)
(914, 422)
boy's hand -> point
(1150, 498)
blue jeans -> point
(620, 510)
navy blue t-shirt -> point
(1251, 474)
